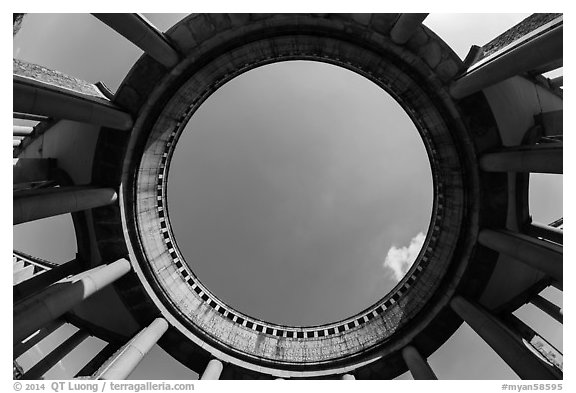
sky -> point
(358, 190)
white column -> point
(213, 370)
(121, 365)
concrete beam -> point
(503, 341)
(548, 307)
(419, 367)
(121, 365)
(36, 311)
(22, 130)
(536, 51)
(213, 370)
(144, 35)
(545, 158)
(539, 254)
(40, 98)
(30, 205)
(405, 27)
(16, 142)
(56, 355)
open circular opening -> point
(300, 193)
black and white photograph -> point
(287, 196)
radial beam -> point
(30, 205)
(123, 363)
(545, 158)
(405, 27)
(539, 254)
(418, 366)
(213, 370)
(41, 98)
(144, 35)
(36, 311)
(548, 307)
(503, 341)
(537, 50)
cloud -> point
(399, 260)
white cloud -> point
(399, 260)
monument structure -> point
(487, 122)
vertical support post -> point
(503, 341)
(213, 370)
(121, 365)
(419, 367)
(38, 310)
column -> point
(405, 27)
(144, 35)
(534, 52)
(56, 355)
(348, 377)
(30, 205)
(548, 307)
(38, 310)
(419, 367)
(503, 341)
(121, 365)
(538, 158)
(213, 370)
(539, 254)
(39, 98)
